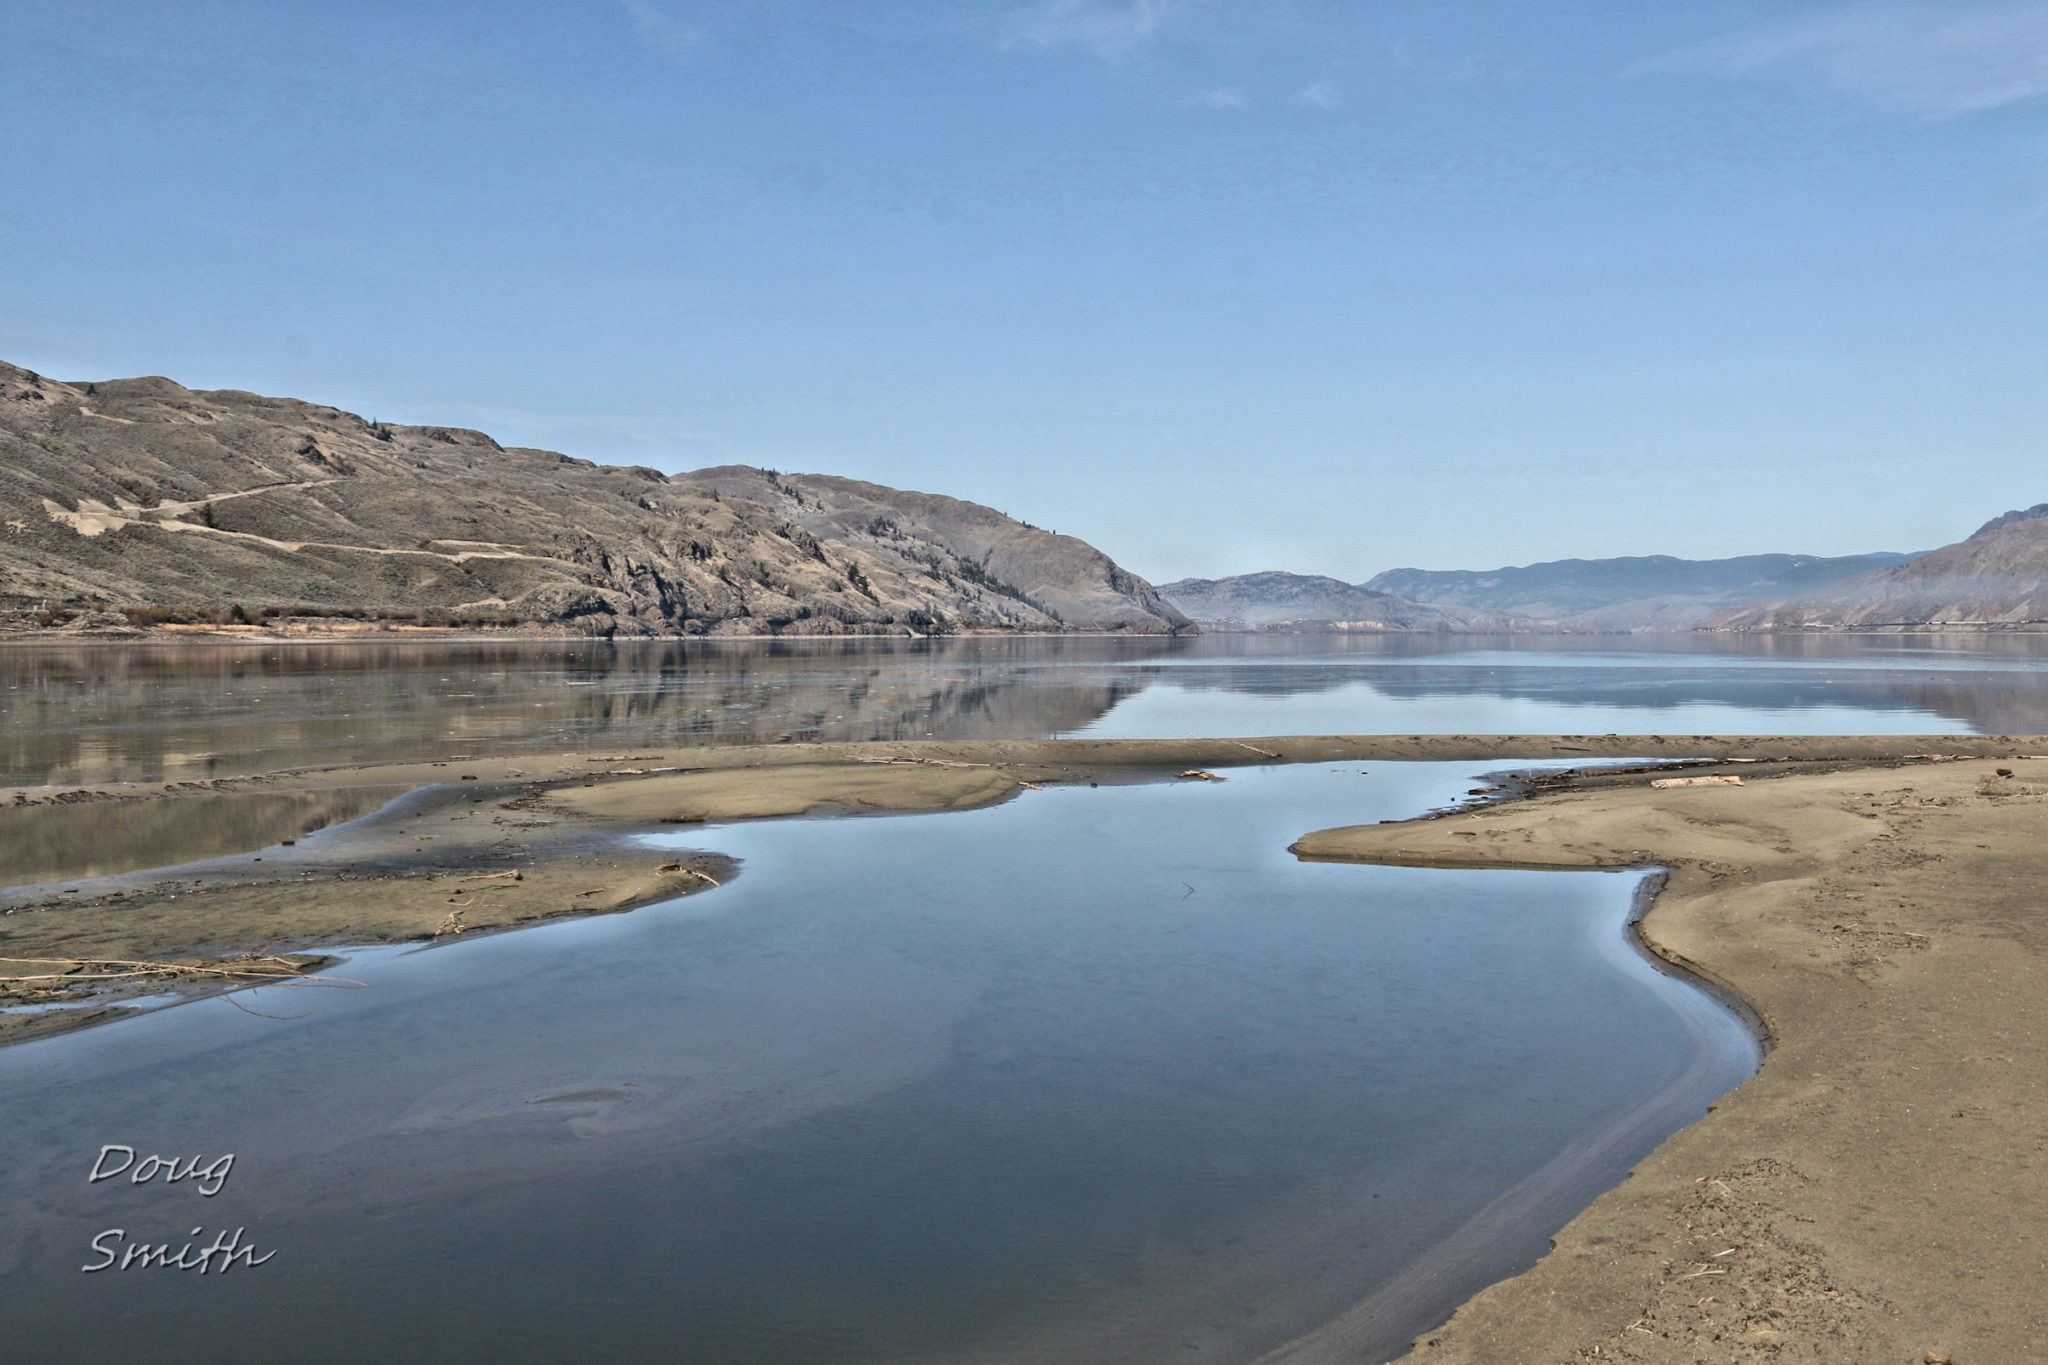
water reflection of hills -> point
(1993, 684)
(95, 714)
(1987, 706)
(1986, 702)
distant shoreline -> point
(380, 634)
(515, 635)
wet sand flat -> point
(463, 846)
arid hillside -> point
(1998, 577)
(1276, 601)
(139, 501)
(1036, 580)
(1637, 593)
(1649, 593)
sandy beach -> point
(1869, 1195)
(1874, 1192)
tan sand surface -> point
(1879, 1191)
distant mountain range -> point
(1276, 601)
(1997, 577)
(1643, 592)
(139, 500)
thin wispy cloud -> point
(1223, 99)
(1316, 95)
(1937, 60)
(660, 28)
(1108, 31)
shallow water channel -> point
(1100, 1074)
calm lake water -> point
(81, 714)
(1096, 1075)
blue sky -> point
(1219, 286)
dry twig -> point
(935, 762)
(249, 968)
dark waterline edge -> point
(1429, 1291)
(1425, 1295)
(13, 639)
(1679, 967)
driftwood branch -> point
(685, 870)
(935, 762)
(259, 967)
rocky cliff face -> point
(1275, 601)
(141, 499)
(1019, 575)
(1997, 577)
